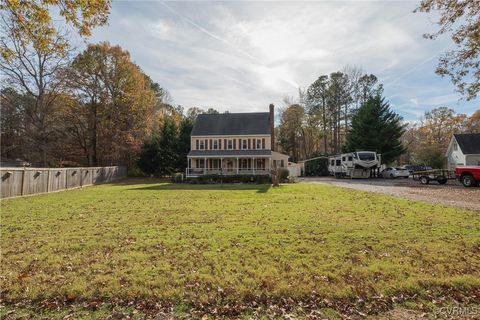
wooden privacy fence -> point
(26, 181)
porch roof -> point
(229, 153)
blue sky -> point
(241, 56)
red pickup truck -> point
(469, 176)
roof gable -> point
(232, 124)
(468, 142)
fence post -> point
(23, 182)
(48, 181)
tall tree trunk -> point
(346, 119)
(324, 116)
(44, 154)
(335, 134)
(305, 147)
(39, 115)
(92, 136)
(339, 127)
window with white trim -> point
(455, 145)
(244, 144)
(258, 143)
(201, 145)
(229, 144)
(215, 144)
(260, 164)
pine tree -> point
(183, 144)
(159, 155)
(167, 154)
(147, 161)
(376, 128)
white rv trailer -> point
(357, 164)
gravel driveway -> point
(450, 194)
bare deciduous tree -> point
(31, 68)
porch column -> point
(237, 165)
(221, 165)
(205, 166)
(253, 166)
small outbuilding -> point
(464, 150)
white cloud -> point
(241, 56)
(162, 28)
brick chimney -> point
(272, 126)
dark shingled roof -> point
(226, 153)
(469, 142)
(232, 124)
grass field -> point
(145, 247)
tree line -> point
(93, 109)
(426, 141)
(373, 126)
(317, 122)
(98, 107)
(60, 107)
(345, 111)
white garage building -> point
(464, 150)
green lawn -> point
(232, 249)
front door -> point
(229, 165)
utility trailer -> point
(439, 175)
(359, 164)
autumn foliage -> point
(100, 115)
(114, 100)
(427, 141)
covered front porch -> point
(198, 166)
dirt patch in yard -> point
(451, 194)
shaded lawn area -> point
(225, 248)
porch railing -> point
(195, 172)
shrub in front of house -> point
(177, 177)
(214, 178)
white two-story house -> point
(464, 150)
(234, 143)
